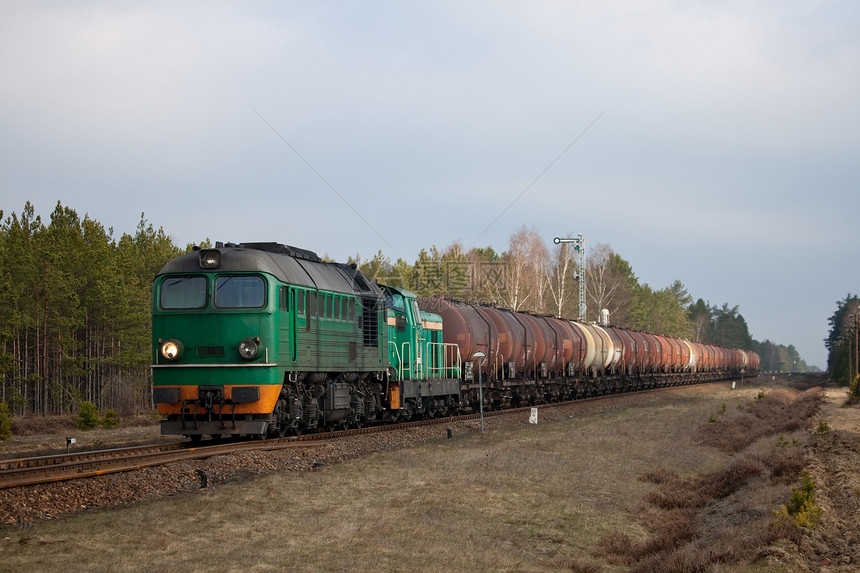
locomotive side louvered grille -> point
(370, 321)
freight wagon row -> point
(522, 345)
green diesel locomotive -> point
(264, 339)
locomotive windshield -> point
(183, 292)
(395, 300)
(235, 291)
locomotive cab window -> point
(284, 298)
(183, 292)
(238, 291)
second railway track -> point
(47, 469)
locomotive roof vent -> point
(294, 252)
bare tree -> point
(564, 262)
(526, 261)
(513, 293)
(609, 284)
(537, 263)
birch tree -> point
(559, 276)
(610, 284)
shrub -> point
(658, 476)
(783, 465)
(5, 422)
(782, 442)
(723, 483)
(801, 509)
(619, 549)
(110, 420)
(88, 416)
(778, 413)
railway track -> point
(54, 468)
(47, 469)
(61, 467)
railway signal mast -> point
(578, 246)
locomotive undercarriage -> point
(341, 401)
(330, 401)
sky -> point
(713, 142)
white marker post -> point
(480, 355)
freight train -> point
(265, 339)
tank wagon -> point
(265, 339)
(531, 359)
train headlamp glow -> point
(250, 348)
(210, 259)
(172, 349)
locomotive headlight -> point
(210, 259)
(250, 348)
(172, 349)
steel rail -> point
(61, 459)
(48, 469)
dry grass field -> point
(681, 480)
(45, 436)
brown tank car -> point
(522, 349)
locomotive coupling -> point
(208, 396)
